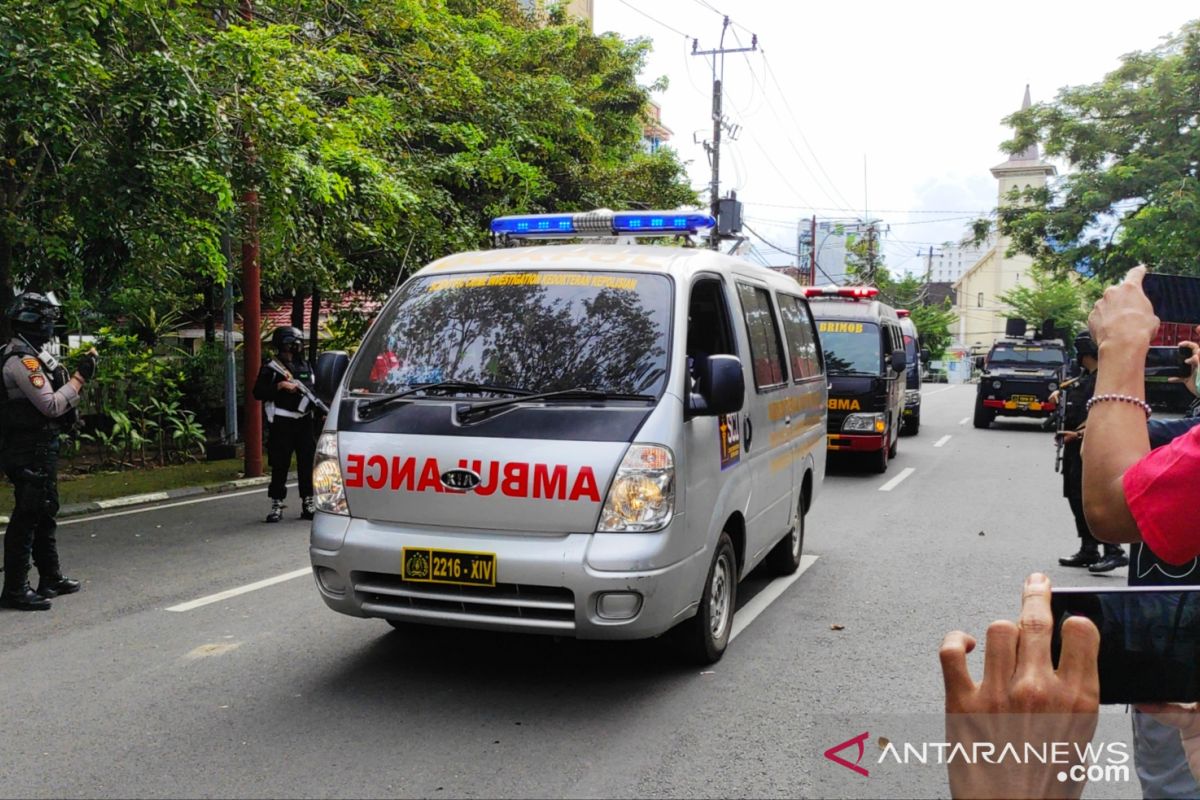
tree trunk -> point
(298, 298)
(313, 325)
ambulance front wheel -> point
(703, 638)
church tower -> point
(981, 313)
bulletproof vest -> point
(20, 415)
(1077, 396)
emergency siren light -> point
(601, 223)
(850, 292)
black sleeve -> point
(264, 386)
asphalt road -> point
(269, 694)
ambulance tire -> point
(784, 558)
(879, 461)
(895, 447)
(703, 638)
(911, 425)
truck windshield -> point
(1026, 356)
(528, 331)
(850, 347)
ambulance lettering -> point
(511, 478)
(844, 404)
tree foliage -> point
(1132, 194)
(377, 135)
(1066, 301)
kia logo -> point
(460, 480)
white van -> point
(589, 440)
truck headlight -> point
(996, 384)
(329, 493)
(912, 397)
(1052, 386)
(642, 496)
(864, 423)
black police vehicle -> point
(864, 358)
(1018, 376)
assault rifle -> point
(304, 390)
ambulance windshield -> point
(526, 331)
(850, 347)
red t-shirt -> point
(1160, 491)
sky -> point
(891, 110)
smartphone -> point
(1175, 298)
(1168, 362)
(1149, 640)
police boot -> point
(308, 508)
(54, 585)
(1086, 557)
(1113, 557)
(276, 511)
(23, 599)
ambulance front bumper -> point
(855, 443)
(545, 583)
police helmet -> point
(32, 313)
(1084, 346)
(287, 338)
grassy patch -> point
(107, 485)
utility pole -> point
(714, 150)
(812, 253)
(251, 303)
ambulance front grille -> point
(546, 608)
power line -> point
(632, 7)
(874, 210)
(797, 256)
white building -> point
(947, 263)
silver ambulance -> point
(592, 440)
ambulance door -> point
(765, 420)
(808, 396)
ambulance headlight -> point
(329, 493)
(642, 496)
(864, 423)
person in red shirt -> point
(1131, 494)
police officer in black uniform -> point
(1075, 395)
(39, 404)
(290, 419)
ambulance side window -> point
(801, 339)
(762, 329)
(709, 332)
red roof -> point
(279, 313)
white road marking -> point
(759, 603)
(942, 441)
(219, 496)
(894, 482)
(938, 391)
(249, 587)
(133, 500)
(964, 420)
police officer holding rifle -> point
(1072, 398)
(40, 398)
(284, 384)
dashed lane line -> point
(772, 592)
(249, 587)
(894, 482)
(938, 391)
(940, 442)
(964, 420)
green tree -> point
(1132, 194)
(1066, 301)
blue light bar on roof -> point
(602, 223)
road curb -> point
(153, 498)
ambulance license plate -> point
(458, 567)
(1023, 398)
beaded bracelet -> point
(1119, 398)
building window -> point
(979, 300)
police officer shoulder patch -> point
(31, 364)
(37, 379)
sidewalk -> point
(152, 498)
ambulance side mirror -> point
(924, 355)
(331, 366)
(720, 387)
(899, 360)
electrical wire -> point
(632, 7)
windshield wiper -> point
(578, 393)
(440, 386)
